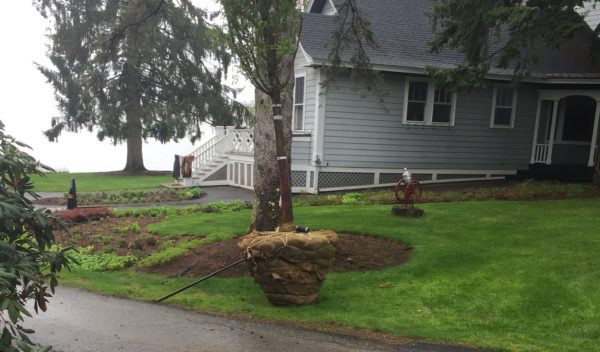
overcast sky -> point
(27, 101)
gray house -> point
(343, 140)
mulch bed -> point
(113, 234)
(358, 253)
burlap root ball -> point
(290, 267)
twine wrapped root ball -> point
(290, 267)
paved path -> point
(79, 321)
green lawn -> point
(521, 276)
(92, 182)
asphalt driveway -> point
(79, 321)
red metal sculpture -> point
(408, 191)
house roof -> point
(403, 30)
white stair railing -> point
(226, 140)
(209, 151)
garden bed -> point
(121, 236)
(357, 253)
(129, 236)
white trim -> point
(429, 105)
(297, 75)
(490, 76)
(558, 94)
(319, 120)
(307, 58)
(513, 108)
(301, 138)
(594, 140)
(415, 171)
(552, 132)
(536, 130)
(335, 11)
(308, 6)
(311, 3)
(571, 143)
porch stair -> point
(212, 158)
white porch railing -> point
(540, 153)
(242, 140)
(226, 140)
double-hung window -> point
(298, 113)
(427, 105)
(417, 101)
(504, 103)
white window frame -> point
(296, 76)
(513, 112)
(429, 104)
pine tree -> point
(136, 69)
(504, 34)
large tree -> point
(506, 34)
(264, 36)
(135, 69)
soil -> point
(114, 235)
(358, 253)
(129, 236)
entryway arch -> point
(566, 128)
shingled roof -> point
(403, 31)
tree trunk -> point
(266, 185)
(133, 127)
(135, 157)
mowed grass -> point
(93, 182)
(520, 276)
(204, 224)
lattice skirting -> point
(308, 179)
(330, 179)
(219, 175)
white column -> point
(594, 135)
(552, 132)
(535, 131)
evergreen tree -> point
(505, 34)
(136, 69)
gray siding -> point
(361, 133)
(301, 152)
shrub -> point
(101, 262)
(84, 214)
(29, 262)
(352, 198)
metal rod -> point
(199, 281)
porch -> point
(566, 128)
